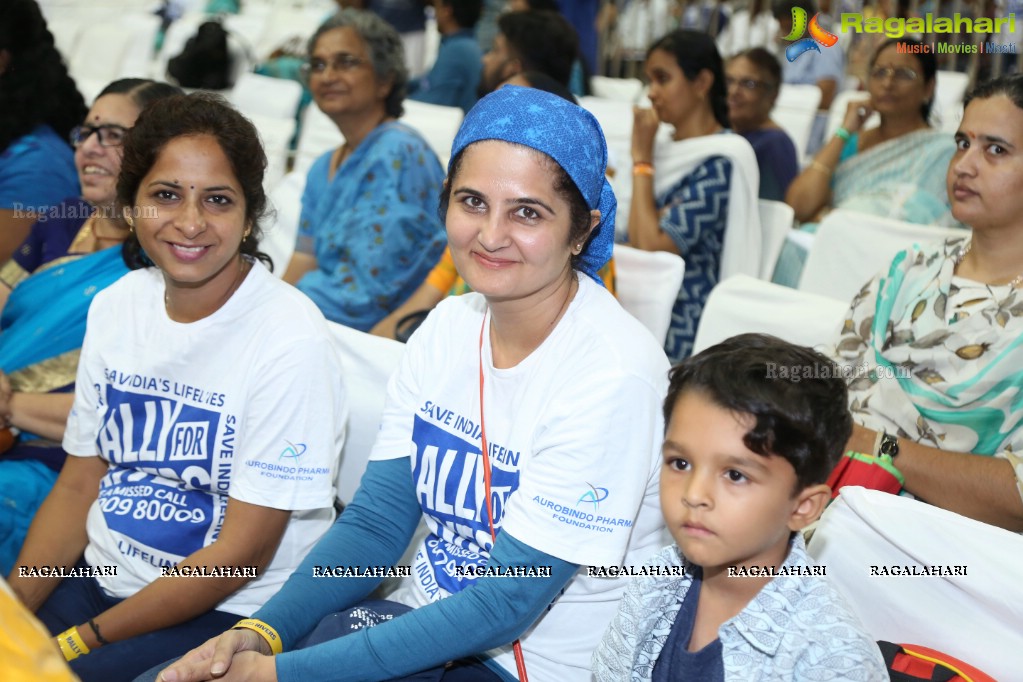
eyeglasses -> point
(899, 73)
(110, 134)
(747, 84)
(341, 62)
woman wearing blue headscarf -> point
(541, 369)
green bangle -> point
(843, 133)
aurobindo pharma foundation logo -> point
(818, 36)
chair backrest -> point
(775, 223)
(865, 536)
(851, 247)
(805, 97)
(276, 134)
(949, 90)
(318, 134)
(256, 95)
(798, 123)
(743, 304)
(118, 49)
(279, 239)
(437, 124)
(367, 363)
(624, 89)
(647, 284)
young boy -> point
(745, 458)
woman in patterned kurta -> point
(687, 89)
(936, 343)
(369, 231)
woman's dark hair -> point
(1010, 86)
(141, 91)
(200, 113)
(927, 61)
(35, 88)
(578, 209)
(796, 397)
(695, 52)
(763, 60)
(386, 51)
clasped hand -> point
(235, 656)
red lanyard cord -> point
(520, 661)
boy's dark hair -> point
(465, 12)
(796, 396)
(542, 41)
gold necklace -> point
(1014, 284)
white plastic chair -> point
(276, 134)
(437, 124)
(798, 123)
(120, 49)
(851, 247)
(366, 363)
(279, 239)
(806, 97)
(623, 89)
(318, 135)
(743, 304)
(775, 224)
(949, 90)
(974, 617)
(647, 284)
(256, 95)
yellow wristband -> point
(71, 644)
(264, 630)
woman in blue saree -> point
(45, 291)
(369, 231)
(896, 170)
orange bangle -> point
(643, 168)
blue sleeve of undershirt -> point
(491, 612)
(374, 530)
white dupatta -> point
(675, 160)
(743, 238)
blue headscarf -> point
(563, 131)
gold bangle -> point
(643, 168)
(264, 631)
(820, 167)
(71, 644)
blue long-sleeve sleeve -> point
(374, 530)
(490, 613)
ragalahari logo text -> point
(818, 36)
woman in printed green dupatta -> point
(937, 340)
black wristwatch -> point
(889, 445)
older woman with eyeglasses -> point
(896, 170)
(752, 78)
(72, 252)
(369, 231)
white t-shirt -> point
(574, 434)
(246, 403)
